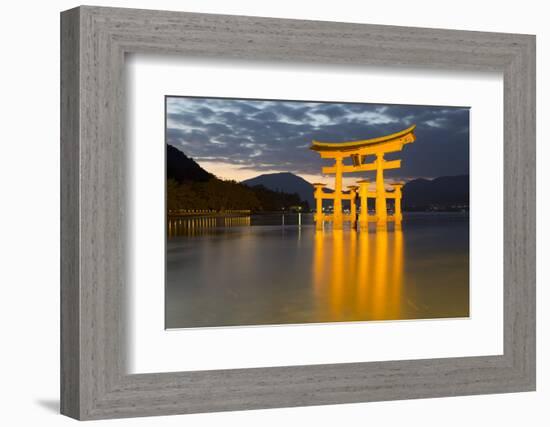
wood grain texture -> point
(94, 381)
(70, 292)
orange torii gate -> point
(358, 152)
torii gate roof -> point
(404, 136)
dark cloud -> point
(266, 135)
(265, 116)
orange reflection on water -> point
(199, 225)
(318, 261)
(358, 275)
(336, 275)
(363, 269)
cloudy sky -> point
(240, 139)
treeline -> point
(189, 186)
(220, 195)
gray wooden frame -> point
(94, 382)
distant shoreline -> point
(238, 213)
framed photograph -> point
(246, 185)
(262, 213)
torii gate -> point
(358, 151)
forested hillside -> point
(191, 187)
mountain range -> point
(285, 182)
(446, 192)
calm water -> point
(253, 271)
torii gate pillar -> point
(338, 220)
(363, 196)
(318, 194)
(353, 208)
(381, 206)
(398, 216)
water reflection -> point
(361, 272)
(252, 270)
(196, 226)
